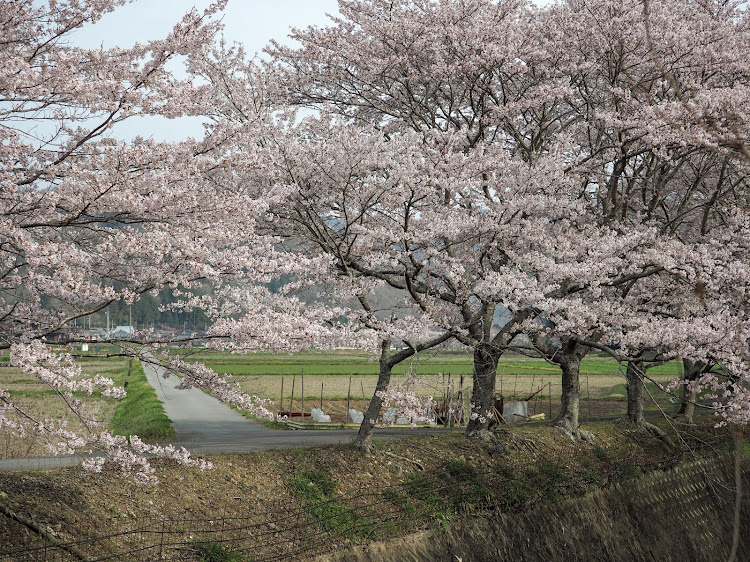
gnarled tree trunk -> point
(688, 397)
(364, 435)
(634, 381)
(387, 361)
(570, 399)
(568, 356)
(482, 415)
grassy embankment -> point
(139, 413)
(330, 497)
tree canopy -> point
(578, 170)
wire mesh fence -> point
(291, 528)
(316, 520)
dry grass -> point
(41, 402)
(336, 387)
(545, 463)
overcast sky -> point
(251, 22)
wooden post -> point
(588, 396)
(461, 398)
(450, 401)
(533, 376)
(303, 394)
(321, 396)
(515, 386)
(348, 397)
(550, 399)
(361, 384)
(281, 398)
(291, 398)
(444, 405)
(543, 385)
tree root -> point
(490, 440)
(576, 434)
(365, 446)
(44, 531)
(650, 429)
(399, 457)
(530, 445)
(659, 434)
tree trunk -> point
(636, 383)
(570, 399)
(568, 356)
(634, 378)
(364, 436)
(687, 402)
(486, 357)
(387, 361)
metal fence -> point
(282, 530)
(295, 529)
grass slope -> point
(275, 503)
(140, 412)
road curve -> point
(205, 425)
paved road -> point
(202, 422)
(205, 425)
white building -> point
(122, 332)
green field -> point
(518, 375)
(351, 363)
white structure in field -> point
(515, 411)
(319, 417)
(122, 332)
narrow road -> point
(205, 425)
(201, 421)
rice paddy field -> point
(331, 380)
(339, 375)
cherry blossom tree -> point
(437, 70)
(88, 219)
(471, 72)
(655, 170)
(371, 202)
(464, 154)
(637, 248)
